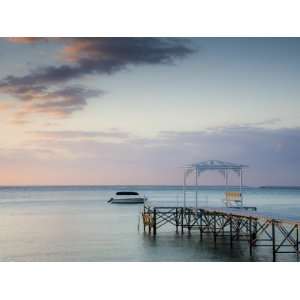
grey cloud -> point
(23, 92)
(68, 97)
(27, 40)
(87, 56)
(105, 56)
(77, 134)
(272, 154)
(59, 102)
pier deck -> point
(280, 232)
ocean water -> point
(77, 224)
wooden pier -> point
(280, 233)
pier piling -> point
(176, 220)
(182, 221)
(215, 229)
(154, 221)
(201, 225)
(297, 241)
(273, 241)
(250, 236)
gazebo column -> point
(241, 179)
(196, 183)
(241, 183)
(184, 189)
(226, 179)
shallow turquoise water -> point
(77, 224)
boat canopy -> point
(127, 193)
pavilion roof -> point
(215, 165)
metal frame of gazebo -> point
(212, 165)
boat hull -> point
(127, 201)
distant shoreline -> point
(279, 187)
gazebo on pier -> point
(231, 198)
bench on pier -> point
(233, 199)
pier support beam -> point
(201, 225)
(297, 241)
(273, 241)
(176, 219)
(189, 221)
(254, 233)
(154, 221)
(238, 224)
(250, 236)
(144, 223)
(215, 228)
(230, 228)
(182, 216)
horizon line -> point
(144, 185)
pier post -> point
(176, 219)
(273, 241)
(297, 241)
(201, 224)
(154, 221)
(189, 221)
(238, 229)
(231, 237)
(215, 229)
(182, 220)
(223, 223)
(250, 236)
(144, 219)
(150, 220)
(254, 233)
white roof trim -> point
(215, 165)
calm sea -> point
(77, 224)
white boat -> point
(127, 198)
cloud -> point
(79, 135)
(23, 92)
(271, 121)
(65, 100)
(116, 157)
(85, 56)
(6, 105)
(58, 103)
(26, 40)
(104, 56)
(273, 154)
(123, 51)
(258, 124)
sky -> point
(136, 110)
